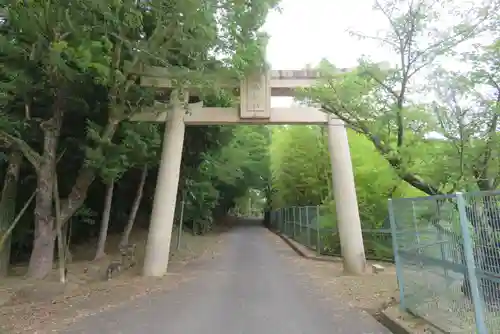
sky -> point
(307, 31)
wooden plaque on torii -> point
(255, 96)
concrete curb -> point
(392, 324)
(404, 322)
(312, 255)
(290, 243)
(304, 253)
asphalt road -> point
(248, 289)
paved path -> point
(248, 289)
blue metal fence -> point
(447, 254)
(304, 225)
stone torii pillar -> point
(165, 198)
(346, 202)
(255, 108)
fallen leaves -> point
(43, 308)
(368, 292)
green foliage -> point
(435, 127)
(300, 165)
(226, 173)
(79, 62)
(302, 174)
(385, 104)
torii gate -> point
(255, 108)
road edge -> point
(290, 243)
(304, 251)
(383, 315)
(392, 324)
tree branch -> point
(85, 177)
(392, 158)
(30, 154)
(482, 170)
(5, 236)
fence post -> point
(308, 228)
(285, 220)
(285, 211)
(471, 267)
(293, 222)
(296, 222)
(282, 221)
(300, 225)
(397, 260)
(274, 221)
(278, 220)
(318, 234)
(417, 233)
(181, 221)
(444, 247)
(443, 256)
(290, 222)
(288, 219)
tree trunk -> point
(8, 207)
(42, 254)
(135, 208)
(85, 177)
(67, 242)
(103, 234)
(60, 241)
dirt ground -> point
(376, 293)
(370, 291)
(44, 306)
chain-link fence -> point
(447, 252)
(311, 226)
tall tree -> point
(302, 173)
(65, 48)
(381, 103)
(8, 207)
(142, 142)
